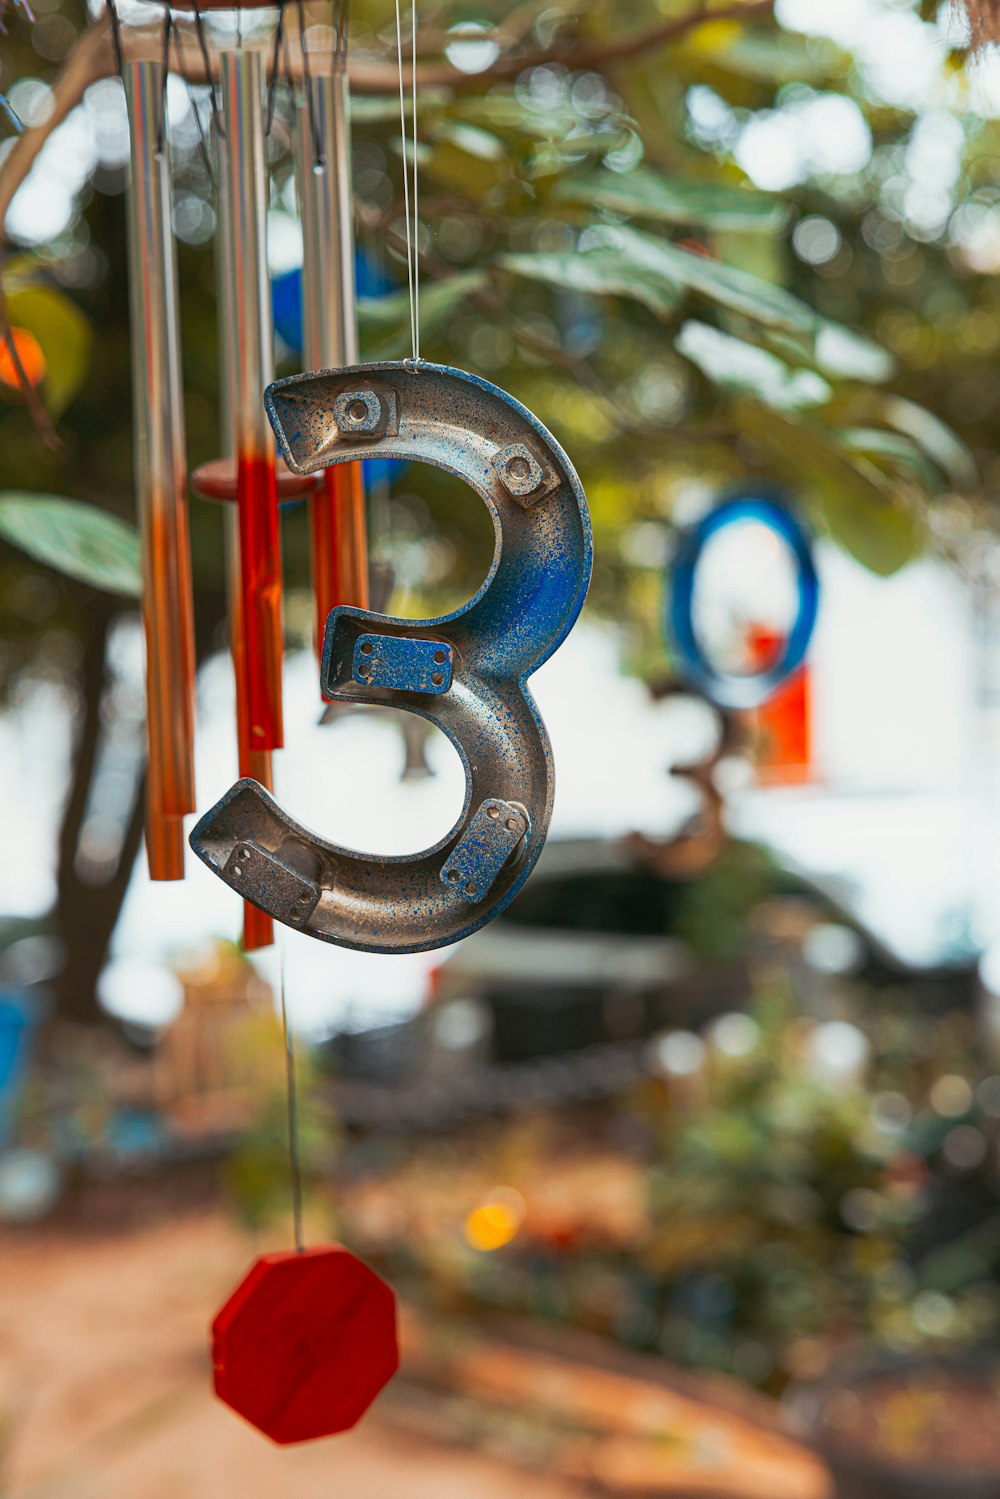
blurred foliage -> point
(591, 240)
(792, 1190)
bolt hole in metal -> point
(452, 875)
(440, 657)
(518, 468)
(367, 648)
(470, 889)
(437, 678)
(357, 411)
(494, 812)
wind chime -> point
(247, 477)
(308, 1338)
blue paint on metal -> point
(403, 664)
(483, 849)
(523, 611)
(771, 508)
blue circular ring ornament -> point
(736, 689)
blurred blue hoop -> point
(736, 689)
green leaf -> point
(64, 335)
(733, 364)
(893, 451)
(602, 272)
(845, 354)
(467, 157)
(725, 285)
(934, 437)
(648, 194)
(857, 504)
(385, 321)
(76, 539)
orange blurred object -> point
(29, 352)
(339, 544)
(783, 750)
(164, 844)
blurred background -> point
(686, 1169)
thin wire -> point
(199, 26)
(116, 33)
(11, 114)
(406, 181)
(279, 36)
(416, 199)
(292, 1096)
(161, 124)
(340, 20)
(319, 160)
(206, 155)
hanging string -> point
(161, 126)
(199, 26)
(292, 1098)
(412, 266)
(11, 114)
(116, 34)
(206, 155)
(319, 161)
(416, 189)
(279, 38)
(339, 35)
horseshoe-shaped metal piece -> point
(465, 672)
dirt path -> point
(105, 1388)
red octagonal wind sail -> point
(305, 1343)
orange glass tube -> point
(160, 479)
(339, 543)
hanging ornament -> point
(305, 1343)
(773, 685)
(464, 672)
(766, 507)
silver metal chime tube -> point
(160, 477)
(247, 354)
(339, 542)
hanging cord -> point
(292, 1098)
(11, 114)
(199, 26)
(161, 126)
(319, 161)
(340, 20)
(412, 225)
(272, 92)
(116, 36)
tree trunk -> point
(86, 913)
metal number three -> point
(465, 672)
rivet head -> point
(519, 470)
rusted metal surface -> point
(525, 608)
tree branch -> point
(93, 58)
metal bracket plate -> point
(265, 880)
(484, 848)
(404, 665)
